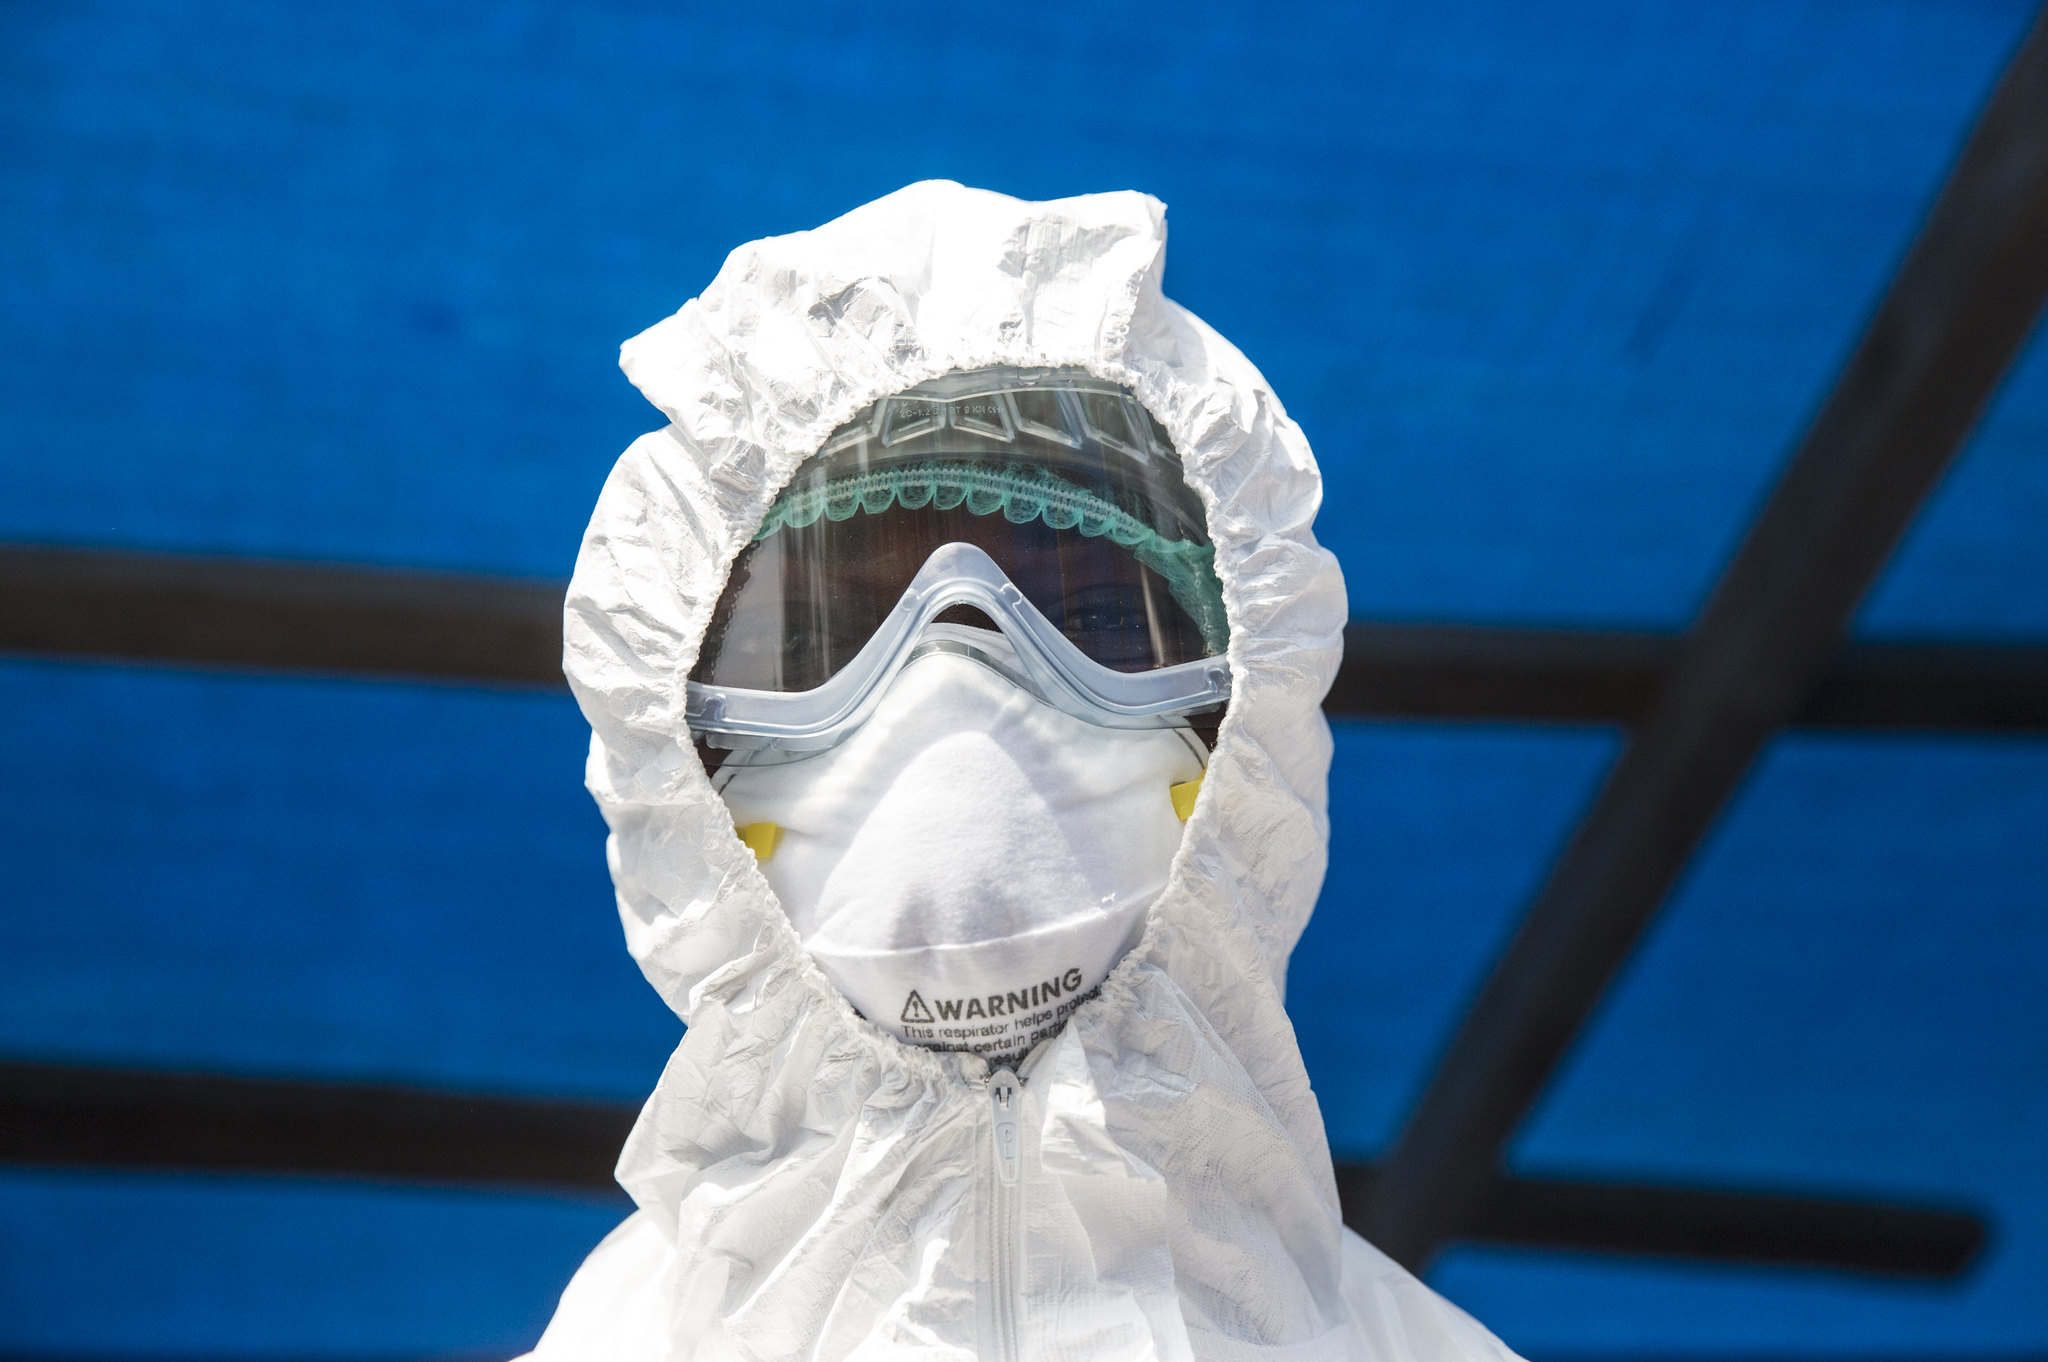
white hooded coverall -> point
(810, 1187)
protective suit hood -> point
(808, 1185)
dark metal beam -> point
(302, 617)
(1954, 317)
(1932, 687)
(1471, 672)
(333, 620)
(1451, 671)
(1703, 1224)
(54, 1115)
(64, 1116)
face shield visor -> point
(1035, 520)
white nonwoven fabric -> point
(809, 1185)
(969, 864)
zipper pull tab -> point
(1003, 1099)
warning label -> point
(1005, 1023)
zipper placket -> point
(1005, 1096)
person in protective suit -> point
(954, 663)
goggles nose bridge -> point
(963, 574)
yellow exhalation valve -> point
(762, 837)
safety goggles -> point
(1044, 505)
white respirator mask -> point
(971, 863)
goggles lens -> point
(1063, 480)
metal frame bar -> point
(1709, 1224)
(294, 617)
(1465, 672)
(56, 1115)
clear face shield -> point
(1033, 520)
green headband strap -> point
(1022, 495)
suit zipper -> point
(1005, 1096)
